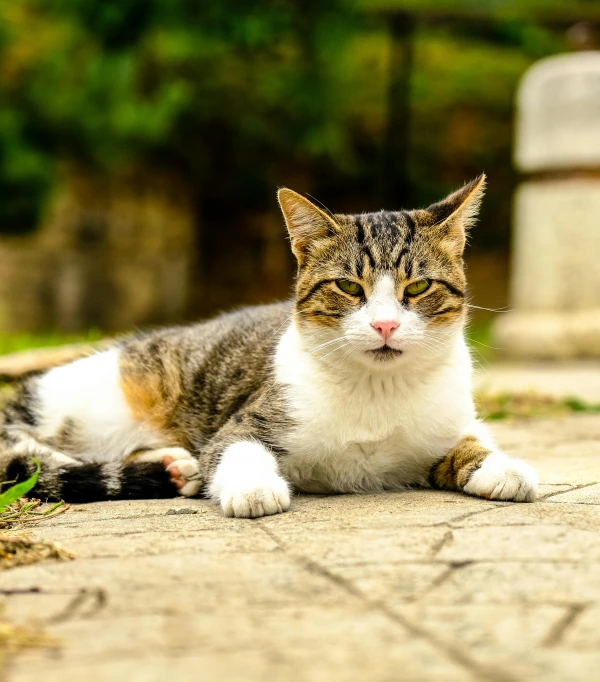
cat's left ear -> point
(452, 217)
(306, 223)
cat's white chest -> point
(370, 434)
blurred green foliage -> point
(13, 343)
(239, 96)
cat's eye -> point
(418, 287)
(350, 287)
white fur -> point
(503, 478)
(112, 477)
(364, 429)
(247, 484)
(30, 446)
(88, 391)
(383, 305)
(159, 454)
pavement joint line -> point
(558, 630)
(437, 547)
(455, 654)
(95, 599)
(477, 512)
(541, 560)
(452, 568)
(359, 564)
(558, 492)
(572, 503)
(571, 490)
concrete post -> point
(555, 278)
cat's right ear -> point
(305, 222)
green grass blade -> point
(17, 491)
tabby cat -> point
(362, 383)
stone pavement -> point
(413, 586)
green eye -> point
(349, 287)
(416, 288)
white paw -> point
(503, 478)
(252, 499)
(246, 482)
(184, 471)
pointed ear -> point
(452, 217)
(305, 222)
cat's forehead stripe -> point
(384, 239)
(411, 225)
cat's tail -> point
(63, 478)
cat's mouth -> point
(384, 353)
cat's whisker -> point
(480, 343)
(327, 343)
(278, 329)
(504, 309)
(482, 362)
(335, 350)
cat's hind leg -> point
(81, 410)
(65, 478)
(183, 468)
(148, 474)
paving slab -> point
(417, 585)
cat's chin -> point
(382, 358)
(384, 354)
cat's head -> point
(381, 288)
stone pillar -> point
(555, 278)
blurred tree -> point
(240, 96)
(181, 82)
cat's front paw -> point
(247, 484)
(253, 499)
(502, 478)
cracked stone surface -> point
(412, 586)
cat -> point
(361, 383)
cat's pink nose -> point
(385, 328)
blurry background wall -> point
(141, 141)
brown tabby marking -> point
(145, 400)
(151, 386)
(454, 471)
